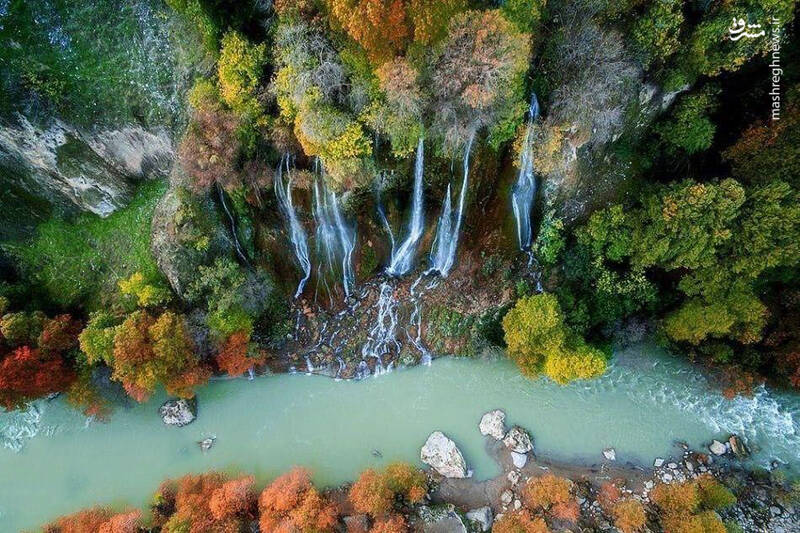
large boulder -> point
(178, 412)
(443, 455)
(518, 440)
(493, 424)
(481, 517)
(717, 448)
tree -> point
(477, 75)
(143, 293)
(629, 516)
(551, 494)
(370, 494)
(27, 374)
(210, 149)
(291, 501)
(96, 520)
(204, 503)
(239, 71)
(392, 524)
(539, 341)
(656, 33)
(689, 127)
(234, 357)
(59, 334)
(520, 522)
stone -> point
(443, 455)
(517, 505)
(441, 519)
(610, 454)
(518, 440)
(666, 478)
(672, 466)
(493, 424)
(482, 517)
(513, 477)
(738, 447)
(506, 497)
(717, 448)
(207, 443)
(649, 484)
(658, 463)
(178, 412)
(519, 459)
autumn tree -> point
(291, 503)
(209, 150)
(552, 495)
(477, 76)
(96, 520)
(629, 516)
(26, 374)
(394, 523)
(203, 503)
(376, 492)
(520, 522)
(690, 505)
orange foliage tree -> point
(375, 492)
(233, 357)
(520, 522)
(629, 516)
(552, 494)
(96, 520)
(291, 503)
(204, 503)
(391, 524)
(27, 374)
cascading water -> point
(335, 240)
(296, 232)
(443, 254)
(232, 221)
(382, 337)
(524, 191)
(403, 257)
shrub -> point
(143, 293)
(391, 524)
(239, 71)
(629, 516)
(236, 356)
(551, 494)
(291, 501)
(520, 522)
(713, 494)
(27, 374)
(375, 493)
(676, 498)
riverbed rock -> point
(493, 424)
(513, 477)
(518, 440)
(506, 497)
(178, 412)
(717, 448)
(738, 447)
(441, 519)
(443, 455)
(658, 463)
(610, 454)
(519, 459)
(482, 517)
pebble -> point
(672, 466)
(517, 505)
(658, 463)
(506, 497)
(513, 477)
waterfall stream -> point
(443, 254)
(403, 257)
(232, 221)
(297, 234)
(524, 190)
(334, 239)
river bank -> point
(265, 426)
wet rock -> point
(207, 443)
(178, 412)
(717, 448)
(738, 447)
(493, 424)
(513, 477)
(482, 517)
(506, 497)
(518, 440)
(610, 454)
(441, 519)
(658, 463)
(519, 459)
(443, 455)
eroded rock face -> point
(482, 517)
(178, 412)
(518, 440)
(71, 168)
(493, 424)
(442, 454)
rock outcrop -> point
(178, 412)
(481, 517)
(518, 440)
(493, 424)
(442, 454)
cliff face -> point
(74, 169)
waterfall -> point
(335, 240)
(382, 337)
(403, 257)
(443, 253)
(232, 221)
(524, 190)
(296, 232)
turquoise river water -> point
(54, 461)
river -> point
(55, 461)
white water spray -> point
(296, 232)
(403, 257)
(335, 240)
(443, 254)
(524, 190)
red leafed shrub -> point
(233, 357)
(391, 524)
(203, 503)
(209, 150)
(59, 334)
(26, 374)
(291, 503)
(122, 523)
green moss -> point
(80, 262)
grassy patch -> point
(78, 263)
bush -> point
(689, 127)
(520, 522)
(376, 493)
(239, 71)
(629, 516)
(713, 494)
(291, 502)
(539, 341)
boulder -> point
(506, 497)
(441, 519)
(493, 424)
(519, 459)
(178, 411)
(518, 440)
(738, 447)
(610, 454)
(658, 463)
(482, 517)
(717, 448)
(443, 455)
